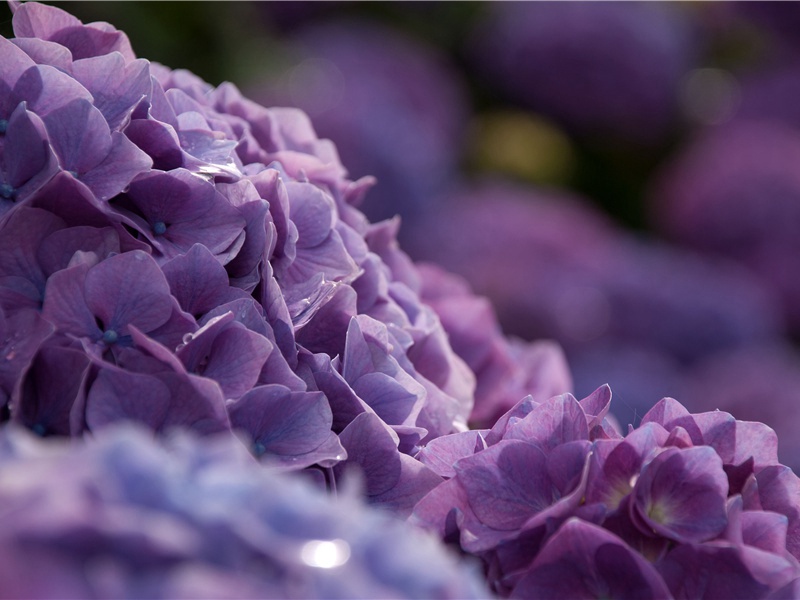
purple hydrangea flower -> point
(630, 312)
(674, 504)
(123, 515)
(188, 258)
(177, 255)
(599, 68)
(733, 192)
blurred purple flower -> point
(122, 515)
(393, 105)
(608, 68)
(769, 94)
(733, 192)
(617, 304)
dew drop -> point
(325, 554)
(7, 191)
(159, 228)
(110, 337)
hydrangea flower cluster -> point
(748, 164)
(560, 505)
(123, 516)
(628, 58)
(179, 256)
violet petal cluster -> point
(123, 515)
(177, 255)
(557, 503)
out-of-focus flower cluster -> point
(125, 516)
(560, 505)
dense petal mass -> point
(175, 255)
(556, 512)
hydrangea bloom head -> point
(628, 59)
(557, 502)
(185, 257)
(124, 515)
(733, 192)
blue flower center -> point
(73, 173)
(159, 228)
(39, 429)
(110, 337)
(3, 126)
(7, 191)
(259, 449)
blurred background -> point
(623, 178)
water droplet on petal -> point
(325, 554)
(110, 337)
(7, 191)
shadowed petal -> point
(681, 494)
(128, 289)
(583, 561)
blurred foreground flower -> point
(123, 516)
